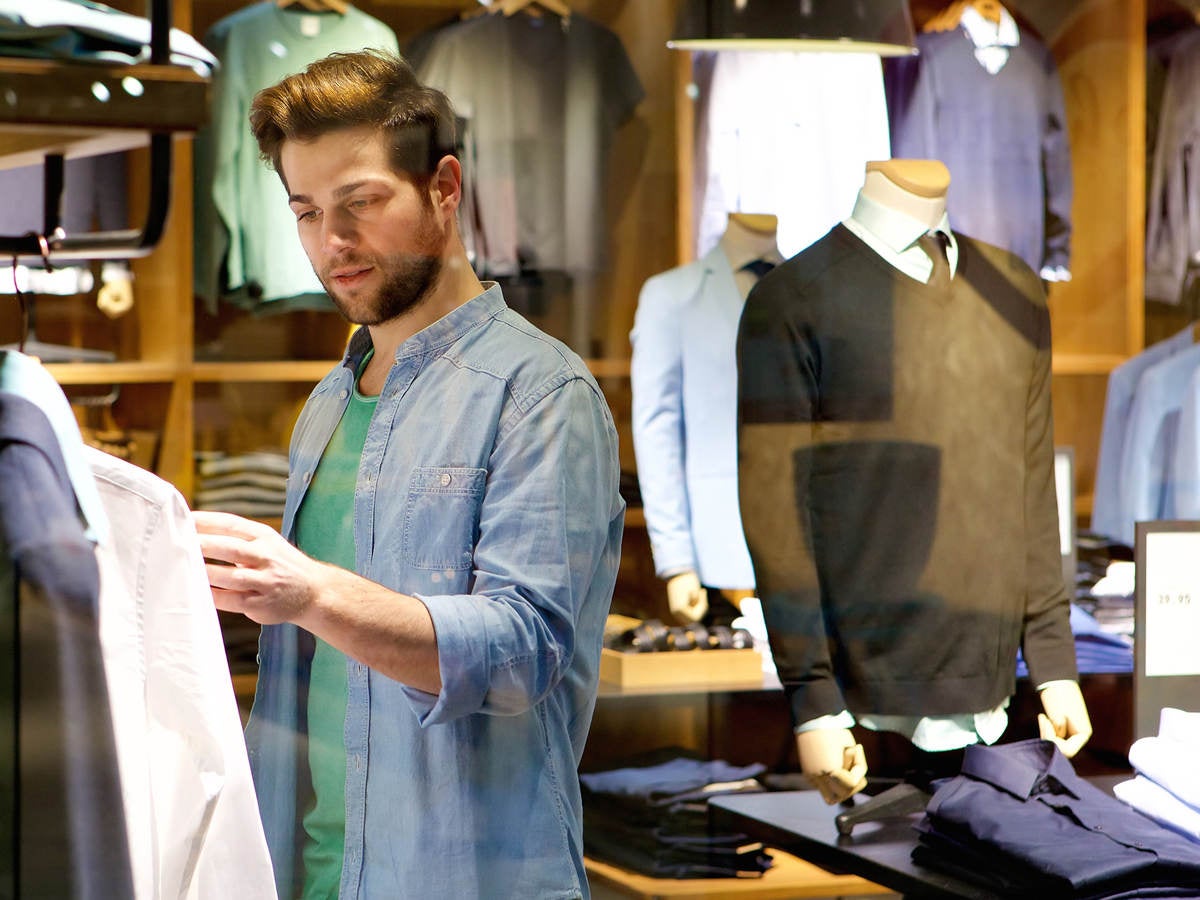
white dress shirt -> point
(787, 133)
(190, 807)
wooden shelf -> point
(1085, 363)
(112, 373)
(315, 370)
(790, 877)
(80, 109)
(275, 370)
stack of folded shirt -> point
(1018, 821)
(83, 31)
(1165, 785)
(248, 484)
(654, 820)
(1096, 648)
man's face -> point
(373, 237)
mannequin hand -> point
(115, 297)
(833, 762)
(687, 600)
(1065, 721)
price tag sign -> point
(1172, 619)
(1167, 621)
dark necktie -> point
(933, 243)
(758, 267)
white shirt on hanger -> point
(190, 806)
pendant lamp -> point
(850, 26)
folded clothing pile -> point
(1165, 786)
(247, 484)
(654, 819)
(1019, 821)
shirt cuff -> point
(842, 720)
(1054, 682)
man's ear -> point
(445, 187)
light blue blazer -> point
(684, 373)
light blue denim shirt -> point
(487, 489)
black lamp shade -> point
(860, 26)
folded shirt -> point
(83, 31)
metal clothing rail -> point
(128, 109)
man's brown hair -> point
(345, 90)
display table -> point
(880, 851)
(789, 877)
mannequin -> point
(684, 422)
(902, 194)
(915, 187)
(746, 236)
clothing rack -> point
(35, 85)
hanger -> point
(338, 6)
(950, 17)
(512, 7)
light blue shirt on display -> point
(1108, 517)
(1150, 439)
(684, 377)
(488, 490)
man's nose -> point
(338, 233)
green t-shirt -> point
(325, 531)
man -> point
(430, 648)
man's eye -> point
(360, 204)
(307, 216)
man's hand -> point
(832, 762)
(686, 598)
(1065, 721)
(254, 571)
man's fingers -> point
(227, 549)
(213, 522)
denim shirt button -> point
(307, 477)
(343, 394)
(445, 479)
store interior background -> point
(190, 380)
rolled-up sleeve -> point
(545, 527)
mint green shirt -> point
(325, 531)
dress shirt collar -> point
(992, 41)
(738, 254)
(986, 33)
(442, 333)
(894, 235)
(1019, 768)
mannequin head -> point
(915, 187)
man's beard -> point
(407, 281)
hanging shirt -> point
(1003, 136)
(543, 99)
(60, 782)
(1108, 517)
(190, 806)
(1150, 443)
(1182, 497)
(247, 251)
(1173, 200)
(769, 141)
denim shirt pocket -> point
(442, 516)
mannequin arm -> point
(1065, 720)
(832, 762)
(686, 598)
